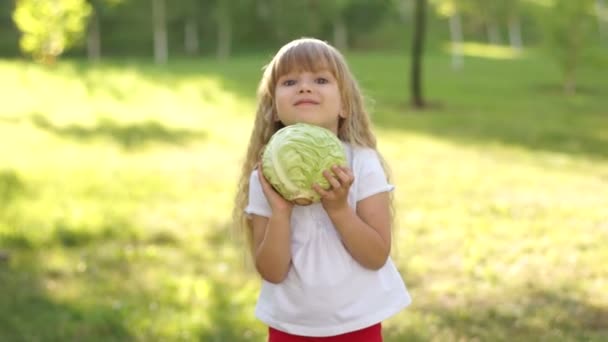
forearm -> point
(273, 255)
(361, 240)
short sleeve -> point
(257, 205)
(371, 175)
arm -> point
(366, 233)
(272, 237)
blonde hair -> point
(304, 54)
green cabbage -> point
(296, 157)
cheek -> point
(279, 95)
(338, 103)
(280, 101)
(279, 104)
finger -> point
(346, 170)
(263, 181)
(335, 184)
(322, 192)
(349, 177)
(343, 175)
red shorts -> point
(369, 334)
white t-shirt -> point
(326, 292)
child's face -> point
(309, 97)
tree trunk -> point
(570, 65)
(456, 35)
(94, 38)
(340, 33)
(191, 36)
(570, 81)
(493, 33)
(161, 53)
(224, 34)
(600, 9)
(515, 32)
(403, 9)
(417, 52)
(263, 10)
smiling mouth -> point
(306, 103)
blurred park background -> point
(123, 124)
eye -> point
(288, 82)
(322, 80)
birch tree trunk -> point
(340, 34)
(161, 53)
(570, 73)
(224, 33)
(600, 10)
(191, 36)
(94, 38)
(515, 38)
(493, 33)
(456, 36)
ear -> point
(343, 112)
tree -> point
(99, 8)
(340, 30)
(417, 53)
(9, 36)
(224, 29)
(487, 14)
(191, 27)
(226, 13)
(514, 23)
(94, 33)
(49, 27)
(493, 11)
(161, 44)
(334, 12)
(490, 15)
(450, 9)
(602, 16)
(567, 31)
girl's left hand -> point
(335, 198)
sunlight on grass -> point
(474, 49)
(117, 184)
(114, 190)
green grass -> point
(117, 180)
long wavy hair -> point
(304, 54)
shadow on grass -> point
(535, 315)
(565, 134)
(11, 186)
(86, 284)
(28, 309)
(29, 314)
(127, 136)
(229, 319)
(492, 102)
(120, 270)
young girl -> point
(327, 274)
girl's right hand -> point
(277, 203)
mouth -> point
(305, 102)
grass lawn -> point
(117, 180)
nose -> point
(304, 87)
